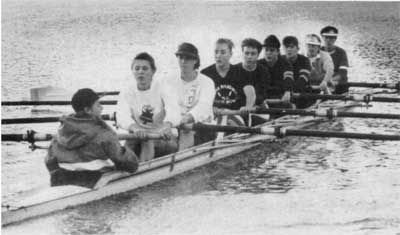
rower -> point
(256, 74)
(280, 69)
(196, 94)
(85, 147)
(321, 63)
(232, 91)
(329, 35)
(145, 106)
(301, 69)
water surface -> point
(294, 186)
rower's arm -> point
(341, 75)
(288, 76)
(344, 65)
(328, 67)
(250, 93)
(123, 158)
(170, 101)
(203, 111)
(51, 160)
(305, 72)
(123, 111)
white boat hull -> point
(49, 200)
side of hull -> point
(58, 198)
(145, 176)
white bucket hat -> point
(313, 39)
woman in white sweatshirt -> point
(146, 106)
(196, 94)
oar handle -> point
(147, 136)
(220, 128)
(274, 101)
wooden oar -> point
(50, 102)
(32, 136)
(330, 113)
(105, 93)
(393, 85)
(363, 98)
(65, 102)
(105, 117)
(281, 132)
(373, 85)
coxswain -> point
(145, 106)
(257, 75)
(321, 63)
(85, 147)
(301, 69)
(232, 91)
(280, 69)
(196, 94)
(341, 64)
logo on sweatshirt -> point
(147, 114)
(226, 95)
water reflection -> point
(95, 219)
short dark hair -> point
(328, 29)
(145, 56)
(288, 40)
(83, 98)
(251, 42)
(272, 41)
(226, 41)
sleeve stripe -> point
(344, 67)
(304, 77)
(306, 71)
(287, 77)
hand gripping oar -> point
(282, 132)
(363, 98)
(327, 112)
(105, 117)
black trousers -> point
(86, 179)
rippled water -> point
(294, 186)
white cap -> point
(313, 40)
(330, 33)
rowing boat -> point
(60, 197)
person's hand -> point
(286, 97)
(166, 131)
(245, 110)
(217, 111)
(323, 86)
(265, 104)
(187, 118)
